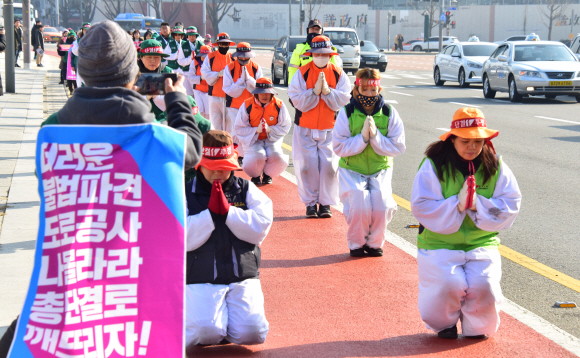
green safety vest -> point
(173, 63)
(186, 47)
(367, 162)
(469, 236)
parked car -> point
(282, 54)
(408, 46)
(433, 43)
(461, 62)
(51, 34)
(524, 68)
(512, 38)
(371, 56)
(575, 46)
(347, 44)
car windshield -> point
(369, 46)
(342, 37)
(542, 53)
(478, 50)
(295, 41)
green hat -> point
(86, 25)
(192, 30)
(151, 48)
(177, 30)
(71, 33)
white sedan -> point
(461, 62)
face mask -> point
(321, 61)
(309, 38)
(243, 62)
(223, 50)
(367, 101)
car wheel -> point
(461, 79)
(286, 77)
(437, 77)
(551, 96)
(417, 48)
(274, 79)
(513, 91)
(487, 91)
(383, 69)
(578, 98)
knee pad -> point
(249, 335)
(206, 334)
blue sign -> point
(443, 18)
(451, 8)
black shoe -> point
(373, 252)
(16, 65)
(360, 252)
(61, 83)
(256, 180)
(266, 179)
(481, 336)
(311, 211)
(240, 161)
(448, 333)
(324, 211)
(41, 65)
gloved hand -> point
(259, 128)
(372, 127)
(221, 73)
(467, 194)
(318, 86)
(365, 130)
(250, 81)
(218, 203)
(244, 75)
(325, 88)
(265, 126)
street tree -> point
(550, 11)
(216, 10)
(70, 11)
(112, 8)
(166, 10)
(430, 8)
(313, 8)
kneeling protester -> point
(228, 218)
(367, 135)
(261, 125)
(463, 194)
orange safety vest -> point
(320, 117)
(218, 62)
(236, 72)
(202, 86)
(256, 112)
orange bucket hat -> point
(321, 44)
(224, 37)
(470, 123)
(219, 152)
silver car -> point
(524, 68)
(461, 62)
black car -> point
(371, 56)
(282, 54)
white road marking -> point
(444, 129)
(404, 94)
(391, 101)
(465, 104)
(530, 319)
(281, 88)
(425, 83)
(473, 89)
(556, 119)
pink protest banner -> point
(64, 47)
(70, 74)
(109, 272)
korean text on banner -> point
(109, 270)
(70, 74)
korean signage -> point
(108, 277)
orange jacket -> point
(236, 72)
(256, 112)
(320, 117)
(218, 62)
(202, 86)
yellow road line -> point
(510, 254)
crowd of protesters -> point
(345, 137)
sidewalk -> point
(20, 118)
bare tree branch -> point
(552, 10)
(216, 10)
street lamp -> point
(451, 2)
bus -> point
(130, 21)
(18, 12)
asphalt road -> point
(543, 153)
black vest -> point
(222, 244)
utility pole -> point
(57, 13)
(441, 25)
(389, 31)
(204, 29)
(26, 33)
(9, 55)
(301, 20)
(289, 17)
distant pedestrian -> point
(137, 35)
(401, 40)
(17, 41)
(37, 41)
(63, 54)
(148, 35)
(2, 48)
(463, 194)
